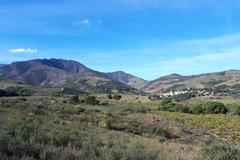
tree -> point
(117, 97)
(109, 96)
(74, 99)
(91, 100)
(234, 108)
(2, 93)
(214, 108)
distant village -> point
(178, 92)
(193, 92)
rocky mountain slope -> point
(61, 73)
(178, 82)
(74, 75)
(128, 79)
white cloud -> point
(82, 23)
(22, 50)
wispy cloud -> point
(22, 50)
(210, 62)
(82, 23)
(193, 56)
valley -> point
(72, 112)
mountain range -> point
(72, 74)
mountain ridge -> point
(61, 73)
(201, 81)
(127, 79)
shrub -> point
(117, 97)
(179, 108)
(74, 99)
(37, 108)
(91, 100)
(79, 110)
(18, 148)
(105, 123)
(22, 129)
(59, 154)
(234, 108)
(219, 151)
(154, 97)
(168, 105)
(2, 93)
(197, 109)
(104, 103)
(214, 108)
(109, 96)
(184, 96)
(61, 138)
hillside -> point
(128, 79)
(74, 76)
(61, 73)
(178, 82)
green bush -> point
(109, 96)
(104, 103)
(91, 100)
(37, 108)
(168, 105)
(214, 108)
(184, 96)
(105, 123)
(2, 93)
(234, 108)
(179, 108)
(219, 151)
(197, 109)
(74, 99)
(117, 97)
(61, 138)
(79, 110)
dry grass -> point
(225, 127)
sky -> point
(147, 38)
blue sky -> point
(147, 38)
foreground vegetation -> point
(33, 129)
(109, 127)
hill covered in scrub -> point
(202, 81)
(62, 73)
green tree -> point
(109, 96)
(91, 100)
(117, 97)
(74, 99)
(214, 108)
(234, 108)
